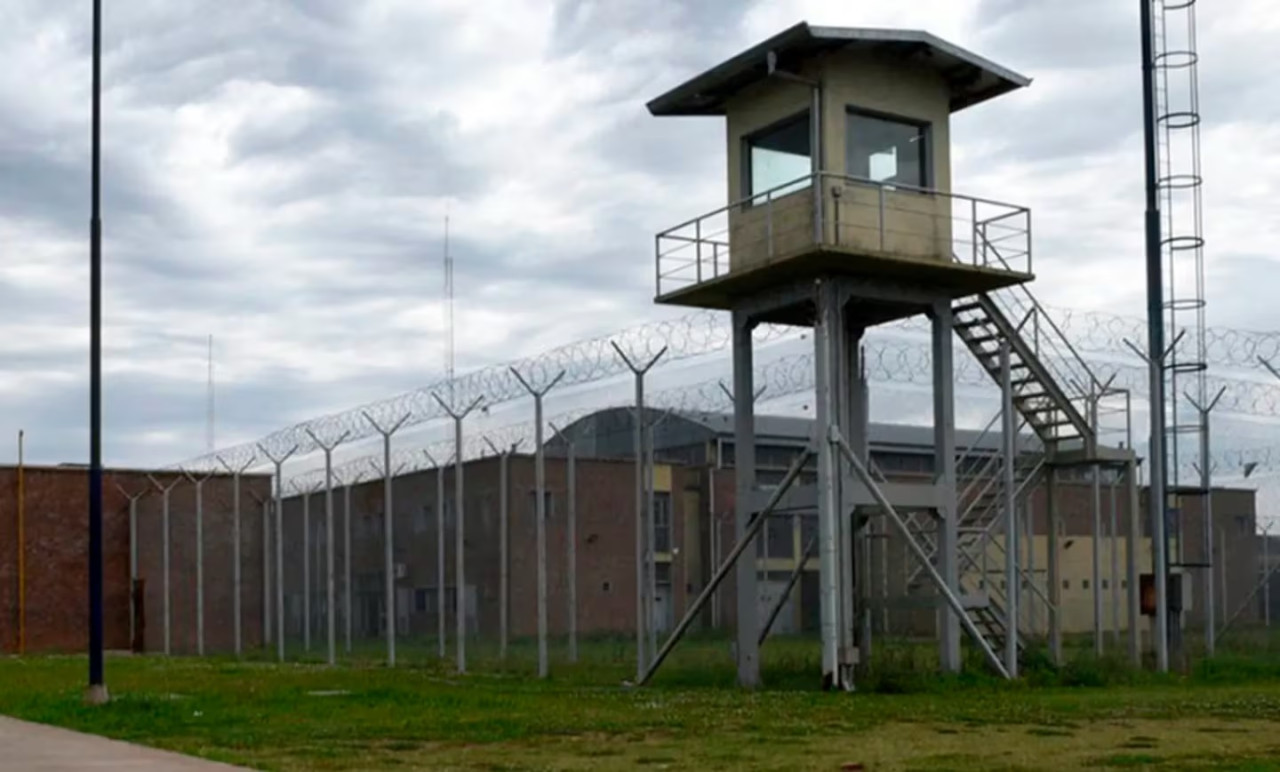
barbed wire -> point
(889, 359)
(789, 375)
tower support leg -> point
(945, 479)
(829, 360)
(854, 562)
(748, 592)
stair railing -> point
(1047, 340)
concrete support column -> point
(828, 358)
(856, 541)
(748, 623)
(944, 423)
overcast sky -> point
(277, 174)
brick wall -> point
(56, 525)
(606, 586)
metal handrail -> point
(766, 194)
(1038, 310)
(675, 270)
(893, 186)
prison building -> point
(44, 598)
(693, 501)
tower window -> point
(778, 155)
(885, 150)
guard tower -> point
(843, 217)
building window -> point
(422, 600)
(421, 519)
(1104, 584)
(778, 155)
(661, 522)
(885, 150)
(1066, 584)
(1084, 584)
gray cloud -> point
(277, 174)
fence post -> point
(278, 461)
(388, 546)
(459, 560)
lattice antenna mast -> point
(1176, 61)
(448, 311)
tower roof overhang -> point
(972, 79)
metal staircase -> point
(981, 499)
(1040, 397)
(1051, 385)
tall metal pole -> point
(459, 559)
(1009, 429)
(638, 431)
(236, 472)
(1155, 339)
(331, 604)
(1097, 559)
(388, 543)
(540, 511)
(97, 691)
(278, 462)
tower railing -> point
(847, 215)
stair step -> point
(960, 309)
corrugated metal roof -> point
(973, 79)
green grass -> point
(362, 715)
